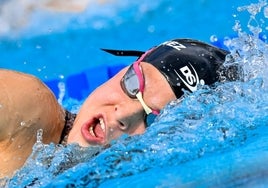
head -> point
(160, 75)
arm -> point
(26, 105)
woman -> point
(119, 106)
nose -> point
(130, 123)
(123, 126)
(129, 116)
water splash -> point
(47, 161)
(213, 133)
(210, 124)
(247, 50)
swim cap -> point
(185, 63)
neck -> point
(69, 121)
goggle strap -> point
(146, 108)
(139, 74)
(124, 52)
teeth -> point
(91, 131)
(102, 124)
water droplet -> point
(227, 41)
(61, 76)
(39, 136)
(62, 91)
(213, 38)
(237, 26)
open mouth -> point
(94, 131)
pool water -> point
(216, 137)
(56, 44)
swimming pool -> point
(54, 45)
(214, 138)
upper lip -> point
(94, 130)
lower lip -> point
(88, 137)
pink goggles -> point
(133, 84)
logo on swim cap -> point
(189, 77)
(174, 44)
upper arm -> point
(27, 105)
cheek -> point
(109, 92)
(133, 125)
(103, 95)
(158, 95)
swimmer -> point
(119, 106)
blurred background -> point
(55, 39)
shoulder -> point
(26, 105)
(14, 78)
(25, 98)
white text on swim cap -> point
(188, 78)
(174, 44)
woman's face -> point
(109, 112)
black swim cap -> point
(185, 63)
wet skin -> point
(108, 112)
(27, 105)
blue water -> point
(49, 44)
(216, 137)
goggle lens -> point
(133, 84)
(130, 83)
